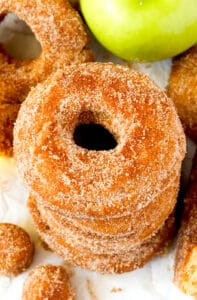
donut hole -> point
(17, 40)
(94, 136)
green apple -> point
(142, 30)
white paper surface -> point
(153, 282)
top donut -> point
(81, 181)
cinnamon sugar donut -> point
(63, 39)
(47, 282)
(185, 268)
(129, 231)
(99, 244)
(104, 183)
(16, 250)
(183, 90)
(104, 263)
(8, 114)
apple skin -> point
(146, 30)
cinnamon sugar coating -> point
(63, 39)
(105, 263)
(138, 229)
(47, 282)
(82, 182)
(8, 114)
(98, 244)
(183, 90)
(185, 268)
(16, 250)
(76, 189)
(58, 28)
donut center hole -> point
(17, 40)
(94, 137)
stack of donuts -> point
(100, 148)
(63, 39)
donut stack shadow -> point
(108, 209)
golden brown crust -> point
(185, 268)
(16, 250)
(98, 183)
(60, 31)
(133, 179)
(98, 244)
(8, 114)
(47, 282)
(63, 38)
(183, 89)
(120, 233)
(104, 263)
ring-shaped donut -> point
(116, 263)
(58, 28)
(119, 181)
(133, 228)
(142, 229)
